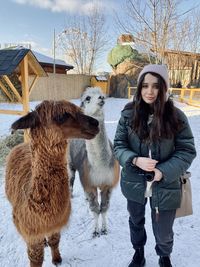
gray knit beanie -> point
(159, 69)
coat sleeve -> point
(184, 153)
(122, 150)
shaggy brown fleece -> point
(36, 174)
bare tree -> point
(184, 42)
(151, 22)
(194, 31)
(84, 39)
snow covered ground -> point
(78, 248)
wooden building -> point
(184, 68)
(100, 81)
(48, 64)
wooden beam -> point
(25, 91)
(33, 84)
(25, 87)
(35, 65)
(26, 135)
(12, 112)
(6, 91)
(32, 66)
(12, 87)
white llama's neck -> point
(99, 147)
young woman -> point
(153, 140)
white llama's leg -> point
(105, 201)
(92, 198)
(104, 230)
(71, 174)
(96, 231)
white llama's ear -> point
(31, 120)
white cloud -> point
(34, 46)
(68, 6)
(44, 50)
(38, 3)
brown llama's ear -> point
(31, 120)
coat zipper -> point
(156, 208)
(157, 214)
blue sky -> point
(34, 21)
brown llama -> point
(37, 183)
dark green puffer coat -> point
(174, 155)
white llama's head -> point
(92, 102)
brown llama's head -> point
(56, 121)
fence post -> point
(182, 94)
(129, 91)
(191, 96)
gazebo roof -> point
(21, 63)
(10, 58)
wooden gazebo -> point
(22, 63)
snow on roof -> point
(101, 78)
(40, 57)
(49, 60)
(11, 57)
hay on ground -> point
(7, 143)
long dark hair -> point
(165, 123)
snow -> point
(101, 78)
(78, 248)
(49, 60)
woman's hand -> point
(158, 175)
(146, 164)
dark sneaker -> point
(138, 258)
(165, 261)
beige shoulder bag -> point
(186, 197)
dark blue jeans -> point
(162, 227)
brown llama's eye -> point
(61, 118)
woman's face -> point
(150, 89)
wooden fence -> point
(190, 96)
(60, 86)
(131, 91)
